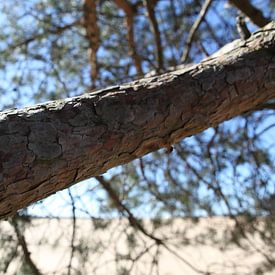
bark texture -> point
(48, 147)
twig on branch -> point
(194, 28)
(22, 242)
(213, 34)
(122, 208)
(54, 30)
(150, 6)
(73, 231)
(93, 36)
(136, 224)
(242, 27)
(203, 49)
(254, 14)
(130, 11)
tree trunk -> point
(48, 147)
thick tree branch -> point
(48, 147)
(254, 14)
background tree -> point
(55, 49)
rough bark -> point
(48, 147)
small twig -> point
(54, 30)
(194, 28)
(203, 49)
(218, 191)
(22, 242)
(140, 255)
(254, 14)
(122, 208)
(242, 28)
(9, 261)
(136, 224)
(150, 6)
(130, 11)
(175, 253)
(92, 33)
(212, 33)
(74, 231)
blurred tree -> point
(55, 49)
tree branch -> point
(93, 36)
(22, 242)
(136, 224)
(122, 208)
(254, 14)
(55, 30)
(73, 232)
(129, 11)
(48, 147)
(194, 28)
(150, 6)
